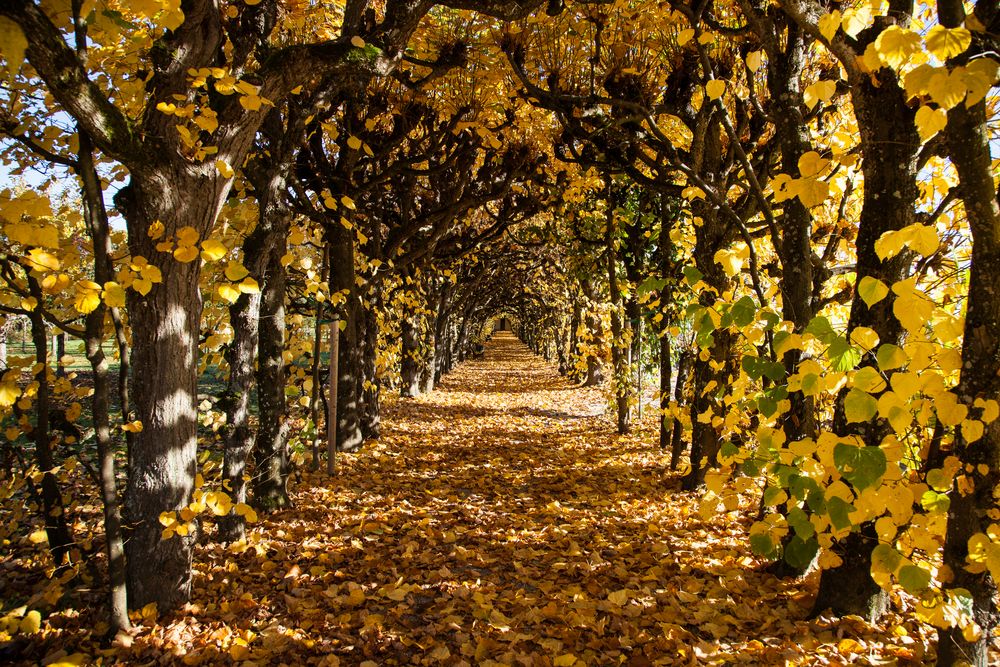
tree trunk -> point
(371, 415)
(99, 229)
(677, 437)
(665, 379)
(57, 526)
(270, 450)
(238, 436)
(409, 363)
(342, 277)
(890, 145)
(969, 513)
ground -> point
(498, 521)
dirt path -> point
(500, 521)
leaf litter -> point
(499, 520)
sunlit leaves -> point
(945, 42)
(859, 406)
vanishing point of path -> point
(501, 521)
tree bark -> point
(969, 513)
(238, 436)
(342, 275)
(98, 226)
(270, 450)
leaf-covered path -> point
(501, 521)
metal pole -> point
(331, 416)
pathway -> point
(500, 521)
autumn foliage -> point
(738, 261)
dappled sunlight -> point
(501, 519)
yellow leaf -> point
(947, 42)
(39, 259)
(685, 36)
(618, 597)
(347, 202)
(946, 88)
(133, 427)
(353, 143)
(715, 88)
(949, 410)
(40, 536)
(156, 230)
(895, 45)
(13, 44)
(811, 164)
(245, 511)
(31, 623)
(87, 298)
(829, 24)
(228, 292)
(113, 295)
(859, 406)
(856, 20)
(249, 286)
(564, 660)
(868, 379)
(235, 271)
(930, 121)
(223, 167)
(872, 290)
(821, 91)
(186, 253)
(754, 60)
(212, 250)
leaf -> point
(946, 43)
(861, 466)
(113, 295)
(914, 579)
(228, 293)
(357, 42)
(859, 406)
(212, 250)
(930, 121)
(353, 143)
(13, 44)
(564, 660)
(715, 88)
(829, 24)
(821, 91)
(891, 356)
(799, 553)
(895, 45)
(31, 623)
(685, 36)
(235, 271)
(872, 290)
(618, 597)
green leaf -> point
(820, 327)
(743, 312)
(938, 480)
(774, 370)
(800, 523)
(842, 354)
(752, 366)
(651, 285)
(872, 290)
(861, 466)
(799, 553)
(914, 579)
(885, 559)
(859, 406)
(767, 406)
(692, 275)
(932, 501)
(763, 546)
(838, 509)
